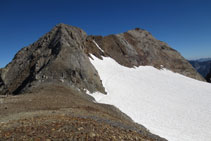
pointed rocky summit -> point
(57, 57)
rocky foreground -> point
(65, 127)
(59, 113)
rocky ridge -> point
(62, 56)
(139, 48)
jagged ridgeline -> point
(62, 56)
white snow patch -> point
(1, 101)
(171, 105)
(97, 45)
(97, 95)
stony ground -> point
(59, 113)
(64, 128)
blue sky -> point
(184, 24)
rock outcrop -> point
(57, 57)
(62, 56)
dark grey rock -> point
(57, 57)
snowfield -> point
(170, 105)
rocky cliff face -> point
(57, 57)
(62, 56)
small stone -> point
(80, 128)
(92, 135)
(113, 137)
(1, 101)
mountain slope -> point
(203, 66)
(169, 104)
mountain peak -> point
(62, 24)
(62, 56)
(57, 57)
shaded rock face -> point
(203, 67)
(62, 56)
(57, 57)
(2, 85)
(208, 77)
(138, 47)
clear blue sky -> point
(184, 24)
